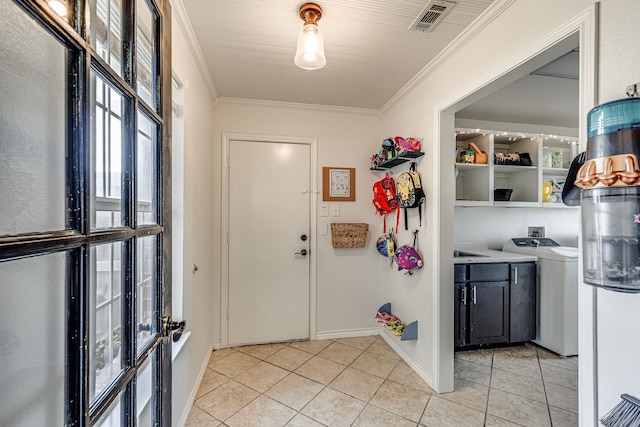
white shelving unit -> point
(475, 183)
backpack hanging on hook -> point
(385, 199)
(410, 193)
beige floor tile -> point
(233, 364)
(358, 342)
(373, 416)
(562, 418)
(484, 357)
(531, 388)
(472, 371)
(199, 418)
(261, 351)
(403, 374)
(562, 397)
(340, 353)
(550, 358)
(210, 381)
(219, 354)
(320, 370)
(303, 421)
(468, 393)
(493, 421)
(379, 346)
(289, 358)
(333, 408)
(444, 413)
(226, 400)
(521, 351)
(375, 364)
(518, 409)
(358, 384)
(560, 376)
(401, 400)
(295, 391)
(527, 366)
(263, 412)
(261, 376)
(313, 347)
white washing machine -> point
(557, 319)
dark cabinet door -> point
(488, 312)
(523, 302)
(460, 314)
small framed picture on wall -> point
(338, 184)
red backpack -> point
(385, 199)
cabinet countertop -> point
(490, 255)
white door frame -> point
(227, 139)
(585, 24)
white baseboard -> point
(196, 387)
(347, 333)
(394, 343)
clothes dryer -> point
(557, 302)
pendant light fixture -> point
(310, 50)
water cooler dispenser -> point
(609, 181)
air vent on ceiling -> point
(431, 15)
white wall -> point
(500, 46)
(347, 284)
(618, 315)
(497, 225)
(201, 238)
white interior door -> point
(269, 206)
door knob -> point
(302, 252)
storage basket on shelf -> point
(348, 235)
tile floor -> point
(362, 382)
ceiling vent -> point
(431, 15)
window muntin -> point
(107, 147)
(106, 32)
(33, 118)
(32, 341)
(147, 141)
(106, 337)
(145, 53)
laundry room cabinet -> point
(549, 155)
(494, 303)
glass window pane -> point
(105, 316)
(146, 285)
(106, 31)
(145, 53)
(113, 415)
(147, 176)
(106, 157)
(145, 392)
(33, 119)
(33, 341)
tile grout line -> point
(544, 388)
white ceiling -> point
(249, 45)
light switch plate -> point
(324, 229)
(335, 210)
(324, 210)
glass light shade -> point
(310, 51)
(58, 7)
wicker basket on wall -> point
(349, 235)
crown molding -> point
(480, 23)
(187, 29)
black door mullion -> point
(129, 325)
